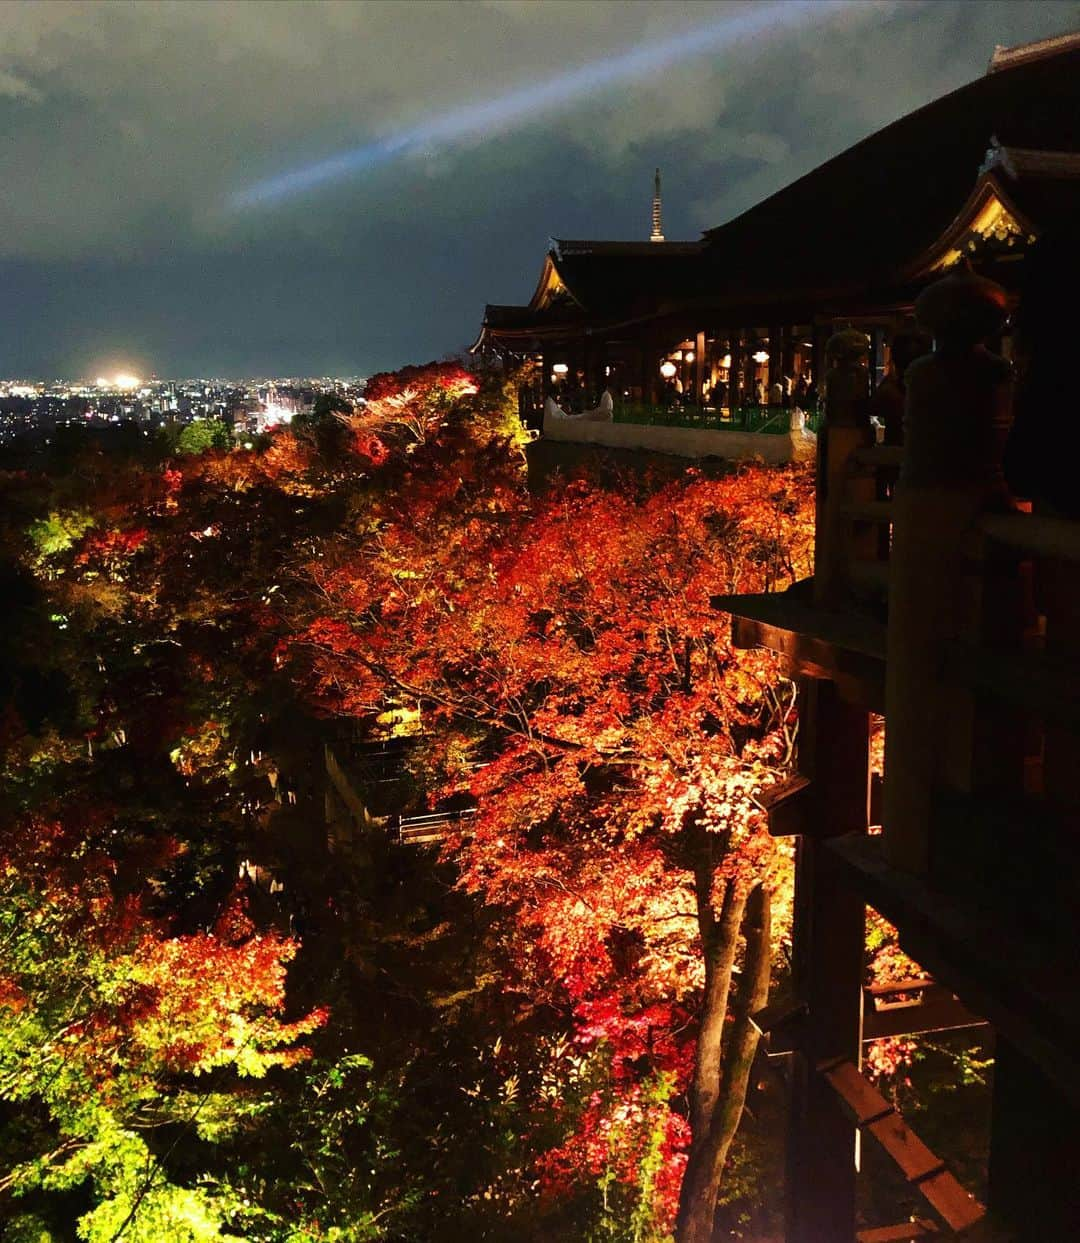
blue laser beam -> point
(527, 103)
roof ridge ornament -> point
(657, 234)
(997, 156)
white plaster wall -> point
(680, 441)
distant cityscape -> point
(31, 411)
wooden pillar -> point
(1058, 588)
(819, 337)
(787, 359)
(1059, 593)
(776, 357)
(588, 362)
(876, 336)
(828, 939)
(955, 421)
(1034, 1152)
(645, 366)
(735, 394)
(652, 368)
(699, 369)
(845, 429)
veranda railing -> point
(771, 420)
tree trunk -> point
(727, 1068)
(719, 940)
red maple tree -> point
(577, 686)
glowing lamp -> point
(559, 369)
(667, 369)
(725, 361)
(688, 357)
(762, 356)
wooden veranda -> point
(954, 611)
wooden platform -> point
(995, 966)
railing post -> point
(846, 428)
(955, 423)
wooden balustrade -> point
(940, 602)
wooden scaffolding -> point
(942, 605)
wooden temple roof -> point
(863, 220)
(877, 205)
(628, 277)
(526, 328)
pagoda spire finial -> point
(657, 234)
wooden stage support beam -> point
(828, 938)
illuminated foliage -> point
(58, 531)
(579, 1037)
(116, 1036)
(202, 434)
(578, 687)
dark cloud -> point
(124, 128)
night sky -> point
(127, 131)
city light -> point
(527, 103)
(243, 407)
(123, 380)
(274, 414)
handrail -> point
(1041, 534)
(437, 817)
(768, 420)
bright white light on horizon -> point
(528, 103)
(122, 380)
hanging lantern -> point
(668, 369)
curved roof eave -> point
(551, 281)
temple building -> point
(943, 614)
(738, 320)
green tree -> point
(203, 434)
